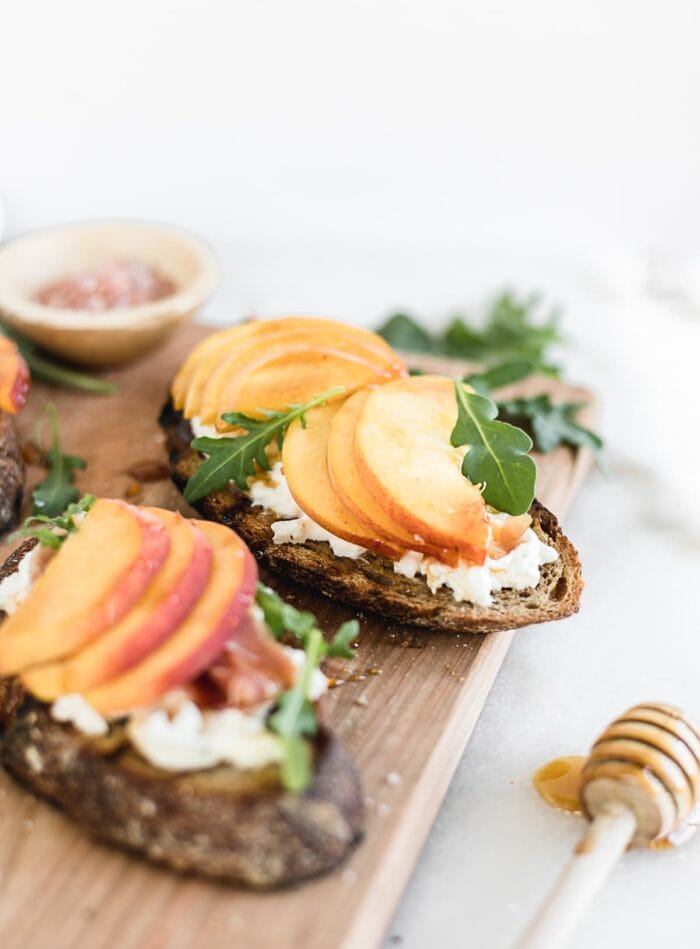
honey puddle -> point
(558, 783)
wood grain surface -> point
(406, 714)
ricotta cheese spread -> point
(77, 711)
(517, 570)
(15, 588)
(271, 491)
(177, 735)
(190, 739)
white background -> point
(347, 158)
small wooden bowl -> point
(105, 337)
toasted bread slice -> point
(236, 825)
(369, 583)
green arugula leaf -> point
(341, 644)
(294, 719)
(237, 459)
(281, 617)
(497, 453)
(52, 531)
(53, 495)
(43, 367)
(297, 763)
(511, 332)
(502, 374)
(552, 424)
(403, 332)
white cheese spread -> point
(517, 570)
(271, 491)
(15, 588)
(200, 429)
(77, 711)
(191, 739)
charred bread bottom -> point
(227, 823)
(370, 583)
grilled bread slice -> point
(236, 825)
(370, 583)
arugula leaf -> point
(297, 763)
(237, 459)
(551, 424)
(497, 453)
(52, 531)
(42, 367)
(502, 374)
(403, 332)
(282, 617)
(294, 719)
(511, 332)
(53, 495)
(341, 644)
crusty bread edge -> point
(369, 584)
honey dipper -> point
(639, 786)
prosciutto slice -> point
(253, 669)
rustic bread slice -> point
(369, 583)
(239, 826)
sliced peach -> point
(202, 636)
(247, 366)
(403, 453)
(295, 378)
(211, 353)
(304, 459)
(14, 377)
(230, 343)
(93, 581)
(350, 488)
(163, 606)
(507, 535)
(208, 347)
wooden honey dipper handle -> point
(639, 783)
(588, 868)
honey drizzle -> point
(558, 783)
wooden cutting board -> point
(406, 716)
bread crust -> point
(369, 583)
(11, 473)
(225, 823)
